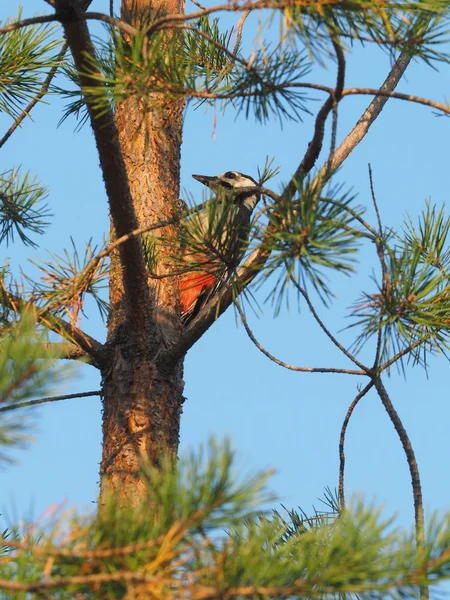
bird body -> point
(216, 237)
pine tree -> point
(132, 86)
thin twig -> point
(57, 552)
(93, 263)
(403, 353)
(374, 200)
(44, 89)
(336, 97)
(208, 95)
(325, 329)
(276, 197)
(386, 94)
(281, 363)
(350, 410)
(334, 125)
(386, 282)
(315, 145)
(239, 30)
(48, 399)
(200, 6)
(119, 23)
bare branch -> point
(27, 22)
(48, 399)
(325, 329)
(281, 363)
(369, 116)
(239, 30)
(386, 282)
(381, 93)
(315, 145)
(403, 353)
(119, 23)
(410, 457)
(350, 410)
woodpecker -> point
(221, 228)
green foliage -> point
(417, 27)
(307, 236)
(21, 208)
(26, 54)
(76, 105)
(197, 60)
(201, 490)
(66, 280)
(269, 85)
(199, 533)
(193, 62)
(151, 249)
(412, 305)
(25, 370)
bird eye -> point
(230, 175)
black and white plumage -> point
(222, 226)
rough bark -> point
(142, 397)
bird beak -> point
(210, 182)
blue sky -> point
(275, 418)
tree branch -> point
(252, 266)
(315, 145)
(386, 282)
(48, 399)
(27, 22)
(410, 457)
(44, 89)
(325, 329)
(137, 295)
(369, 116)
(284, 364)
(74, 334)
(66, 351)
(349, 413)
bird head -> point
(243, 188)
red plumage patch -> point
(191, 286)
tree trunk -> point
(143, 398)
